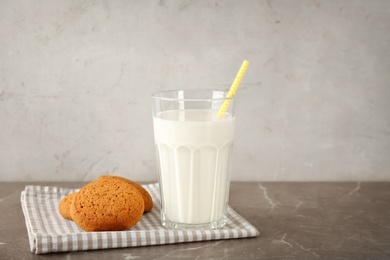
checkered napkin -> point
(49, 232)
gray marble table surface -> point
(296, 220)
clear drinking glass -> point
(194, 152)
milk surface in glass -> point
(194, 154)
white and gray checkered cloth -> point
(49, 232)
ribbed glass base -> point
(174, 225)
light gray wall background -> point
(76, 79)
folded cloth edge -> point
(31, 237)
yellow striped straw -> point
(233, 88)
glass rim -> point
(159, 95)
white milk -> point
(194, 152)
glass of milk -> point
(194, 154)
